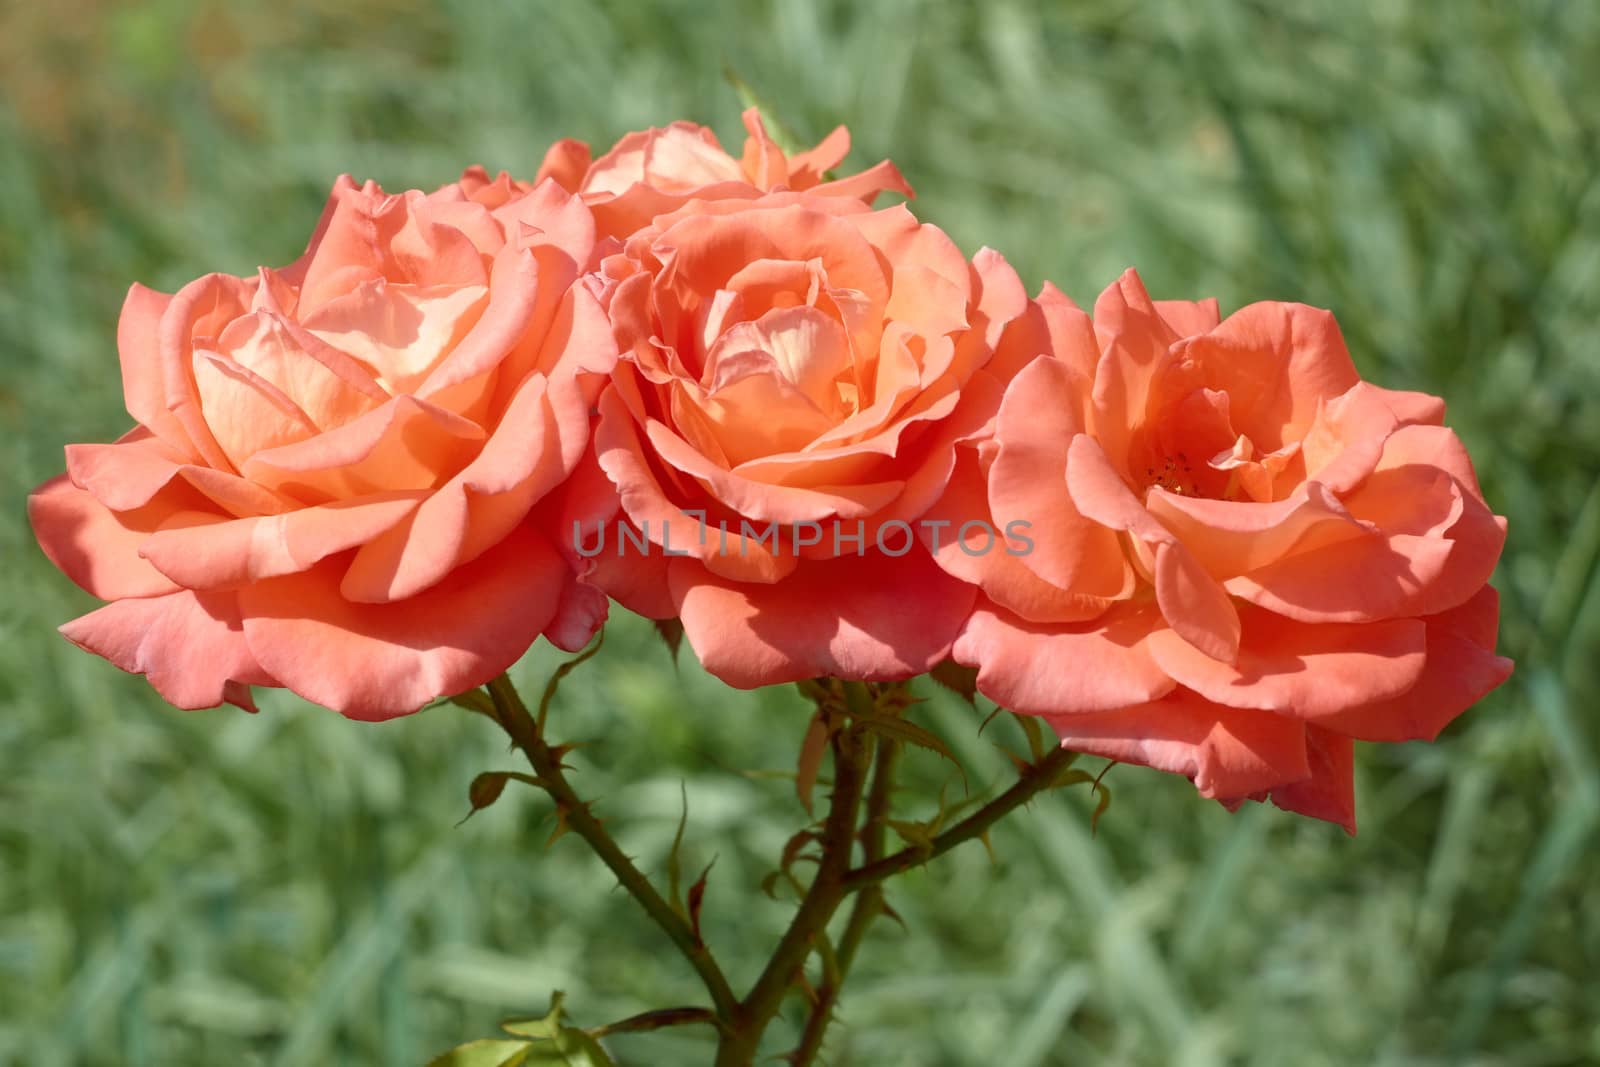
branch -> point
(513, 716)
(868, 905)
(822, 899)
(1038, 778)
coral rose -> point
(1242, 555)
(795, 373)
(339, 467)
(651, 172)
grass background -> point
(294, 889)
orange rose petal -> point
(1191, 600)
(1028, 484)
(1228, 753)
(1189, 317)
(1346, 438)
(143, 386)
(328, 385)
(1304, 671)
(866, 185)
(580, 614)
(399, 330)
(988, 560)
(621, 455)
(378, 661)
(406, 444)
(806, 168)
(1414, 409)
(636, 580)
(1438, 546)
(204, 552)
(200, 309)
(506, 312)
(565, 163)
(1378, 577)
(1328, 793)
(247, 414)
(189, 646)
(481, 504)
(1043, 668)
(94, 546)
(1229, 538)
(1134, 343)
(1194, 605)
(764, 502)
(1277, 362)
(127, 474)
(1051, 326)
(1461, 668)
(868, 618)
(755, 411)
(763, 162)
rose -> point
(341, 468)
(651, 172)
(795, 372)
(1244, 556)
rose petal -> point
(378, 661)
(212, 552)
(867, 618)
(1304, 671)
(188, 645)
(1051, 669)
(538, 441)
(1228, 753)
(94, 546)
(1329, 792)
(1028, 484)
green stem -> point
(1038, 778)
(739, 1045)
(868, 905)
(513, 716)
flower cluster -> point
(728, 390)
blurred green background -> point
(293, 889)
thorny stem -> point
(1031, 782)
(513, 716)
(868, 905)
(741, 1023)
(822, 899)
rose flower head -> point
(651, 172)
(794, 374)
(1242, 556)
(339, 471)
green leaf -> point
(1030, 727)
(912, 734)
(554, 1045)
(545, 1027)
(1105, 800)
(915, 834)
(569, 1048)
(486, 1053)
(1071, 776)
